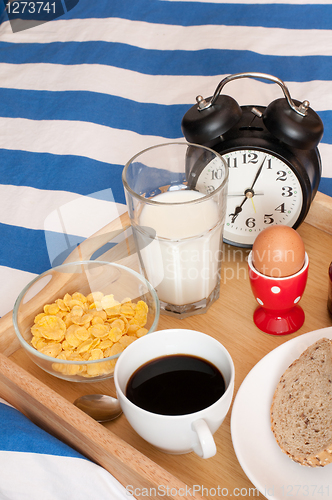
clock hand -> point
(238, 209)
(249, 193)
(258, 173)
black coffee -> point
(175, 385)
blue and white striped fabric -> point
(36, 466)
(83, 93)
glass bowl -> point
(93, 309)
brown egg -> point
(278, 251)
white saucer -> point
(272, 472)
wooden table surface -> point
(229, 320)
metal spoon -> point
(100, 407)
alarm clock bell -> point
(293, 122)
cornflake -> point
(79, 328)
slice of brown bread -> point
(301, 411)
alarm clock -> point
(272, 155)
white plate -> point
(272, 472)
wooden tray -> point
(47, 401)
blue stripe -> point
(20, 434)
(22, 246)
(75, 174)
(325, 185)
(326, 117)
(196, 13)
(145, 119)
(176, 62)
(53, 248)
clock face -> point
(263, 190)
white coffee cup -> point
(176, 433)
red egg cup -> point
(278, 312)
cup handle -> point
(206, 446)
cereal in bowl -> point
(86, 328)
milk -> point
(182, 259)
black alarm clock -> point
(274, 164)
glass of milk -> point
(176, 195)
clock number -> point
(282, 175)
(281, 208)
(268, 219)
(250, 158)
(250, 222)
(216, 174)
(234, 163)
(287, 191)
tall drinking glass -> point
(176, 195)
